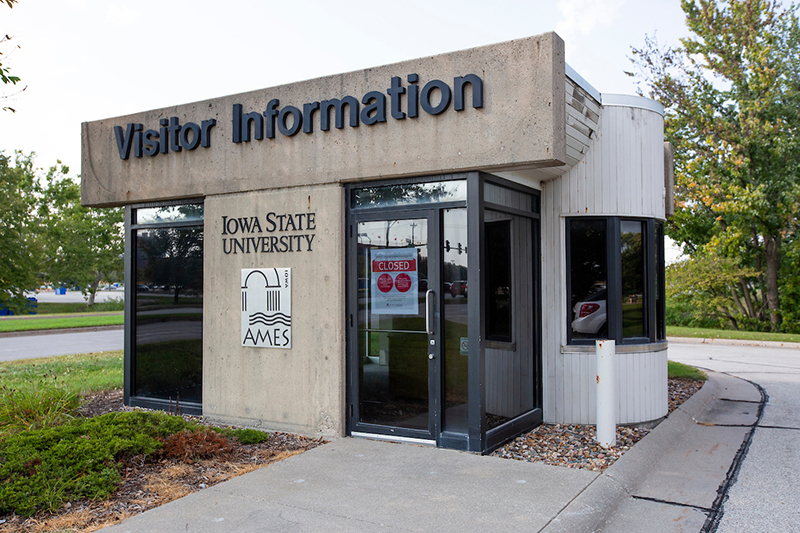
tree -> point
(83, 246)
(5, 76)
(732, 96)
(19, 253)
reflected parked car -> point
(458, 288)
(590, 314)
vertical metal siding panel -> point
(637, 200)
(609, 156)
(565, 188)
(629, 381)
(621, 161)
(622, 387)
(624, 164)
(588, 185)
(597, 174)
(580, 206)
(589, 387)
(548, 371)
(549, 337)
(573, 367)
(640, 381)
(648, 186)
(595, 157)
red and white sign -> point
(393, 280)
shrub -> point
(41, 469)
(190, 446)
(250, 436)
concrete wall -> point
(302, 389)
(521, 125)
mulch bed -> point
(575, 446)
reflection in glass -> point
(588, 278)
(456, 332)
(633, 275)
(393, 355)
(168, 350)
(169, 213)
(410, 194)
(498, 280)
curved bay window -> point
(164, 344)
(615, 278)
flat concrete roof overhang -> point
(520, 125)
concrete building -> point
(421, 251)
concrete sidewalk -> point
(667, 482)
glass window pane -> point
(588, 278)
(455, 296)
(168, 352)
(410, 194)
(498, 281)
(659, 265)
(633, 277)
(169, 213)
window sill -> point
(500, 345)
(620, 348)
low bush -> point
(189, 446)
(42, 469)
(248, 436)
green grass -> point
(61, 322)
(77, 374)
(679, 331)
(54, 308)
(681, 371)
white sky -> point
(84, 60)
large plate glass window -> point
(615, 280)
(167, 340)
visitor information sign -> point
(393, 282)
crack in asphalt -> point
(717, 508)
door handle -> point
(428, 324)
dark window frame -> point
(653, 282)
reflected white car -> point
(590, 315)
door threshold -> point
(393, 438)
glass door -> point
(395, 391)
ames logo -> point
(267, 307)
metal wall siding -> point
(621, 172)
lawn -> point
(677, 370)
(60, 322)
(76, 374)
(54, 308)
(676, 331)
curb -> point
(600, 499)
(733, 342)
(57, 331)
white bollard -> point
(606, 394)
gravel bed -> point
(575, 446)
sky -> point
(84, 60)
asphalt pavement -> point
(52, 344)
(765, 495)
